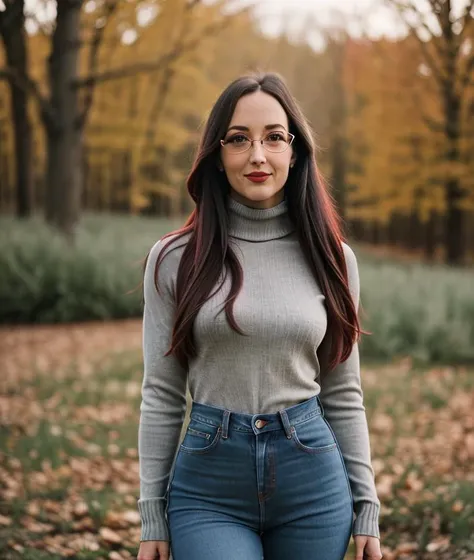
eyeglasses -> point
(275, 142)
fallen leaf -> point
(5, 521)
(109, 536)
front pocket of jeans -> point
(313, 436)
(198, 433)
(200, 437)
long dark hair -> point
(310, 207)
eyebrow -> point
(246, 129)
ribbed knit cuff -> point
(367, 520)
(154, 524)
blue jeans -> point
(253, 486)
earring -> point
(292, 164)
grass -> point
(42, 279)
(76, 444)
(68, 437)
(425, 312)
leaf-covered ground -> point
(69, 401)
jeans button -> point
(259, 424)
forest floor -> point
(69, 409)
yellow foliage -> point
(142, 113)
(397, 162)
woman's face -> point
(256, 116)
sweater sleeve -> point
(342, 399)
(163, 404)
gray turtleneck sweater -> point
(282, 308)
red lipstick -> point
(258, 176)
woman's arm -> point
(342, 399)
(163, 403)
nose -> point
(257, 154)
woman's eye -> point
(238, 139)
(276, 137)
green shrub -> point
(426, 312)
(411, 309)
(43, 280)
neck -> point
(260, 204)
(258, 224)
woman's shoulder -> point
(349, 256)
(352, 270)
(172, 245)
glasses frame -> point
(288, 144)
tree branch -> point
(402, 9)
(149, 66)
(29, 86)
(191, 4)
(429, 58)
(436, 5)
(466, 15)
(45, 28)
(467, 78)
(432, 124)
(97, 39)
(165, 85)
(466, 20)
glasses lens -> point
(275, 145)
(237, 144)
(276, 142)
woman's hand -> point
(367, 548)
(154, 550)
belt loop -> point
(286, 423)
(225, 424)
(320, 405)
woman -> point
(254, 304)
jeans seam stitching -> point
(312, 450)
(204, 450)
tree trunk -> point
(64, 180)
(338, 123)
(14, 40)
(454, 82)
(430, 236)
(339, 173)
(415, 228)
(65, 137)
(455, 251)
(452, 99)
(454, 227)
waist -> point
(257, 423)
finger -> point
(163, 551)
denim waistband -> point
(228, 420)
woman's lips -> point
(258, 178)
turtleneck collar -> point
(258, 224)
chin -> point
(261, 195)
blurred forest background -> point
(101, 103)
(101, 106)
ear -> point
(293, 160)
